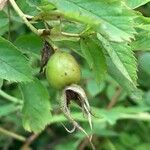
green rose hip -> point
(62, 69)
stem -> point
(32, 28)
(10, 98)
(13, 135)
(70, 34)
(29, 141)
(114, 98)
(23, 16)
(145, 116)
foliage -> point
(111, 41)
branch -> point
(10, 98)
(29, 141)
(12, 134)
(23, 16)
(114, 98)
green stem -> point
(32, 28)
(13, 135)
(145, 116)
(70, 34)
(23, 16)
(10, 98)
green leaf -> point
(7, 109)
(143, 23)
(118, 113)
(71, 45)
(144, 62)
(117, 75)
(128, 86)
(111, 116)
(72, 27)
(110, 17)
(41, 4)
(122, 56)
(142, 39)
(142, 42)
(136, 3)
(93, 88)
(14, 66)
(1, 82)
(26, 8)
(30, 43)
(34, 2)
(4, 22)
(36, 109)
(95, 57)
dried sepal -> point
(76, 93)
(81, 100)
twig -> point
(29, 141)
(83, 144)
(23, 16)
(12, 134)
(114, 98)
(39, 32)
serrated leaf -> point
(110, 18)
(136, 3)
(142, 39)
(14, 66)
(29, 43)
(142, 42)
(116, 74)
(36, 109)
(95, 57)
(122, 56)
(143, 23)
